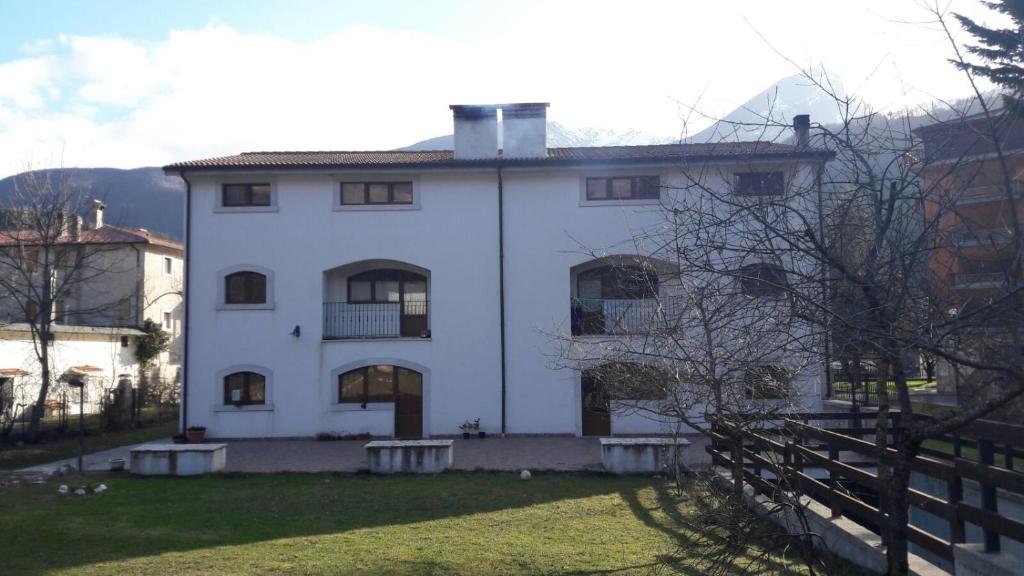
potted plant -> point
(468, 427)
(196, 434)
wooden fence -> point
(833, 463)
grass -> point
(66, 446)
(967, 452)
(453, 523)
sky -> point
(144, 83)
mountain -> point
(559, 136)
(140, 197)
(779, 103)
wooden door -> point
(409, 404)
(597, 420)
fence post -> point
(955, 493)
(989, 500)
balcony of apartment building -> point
(976, 236)
(376, 299)
(982, 273)
(987, 193)
(619, 296)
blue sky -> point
(119, 83)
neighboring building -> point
(404, 293)
(132, 276)
(976, 213)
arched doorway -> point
(385, 383)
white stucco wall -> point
(101, 350)
(453, 234)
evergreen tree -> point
(1001, 51)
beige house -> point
(133, 276)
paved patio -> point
(307, 455)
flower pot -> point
(481, 434)
(465, 435)
(196, 435)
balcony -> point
(979, 280)
(983, 237)
(345, 320)
(986, 193)
(601, 316)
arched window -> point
(762, 279)
(378, 383)
(245, 388)
(245, 287)
(626, 381)
(617, 283)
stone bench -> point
(641, 455)
(415, 456)
(178, 459)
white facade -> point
(308, 245)
(99, 357)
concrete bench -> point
(641, 455)
(178, 459)
(416, 456)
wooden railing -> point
(791, 447)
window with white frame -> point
(168, 320)
(168, 266)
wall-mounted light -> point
(297, 331)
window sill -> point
(234, 209)
(370, 407)
(269, 306)
(245, 408)
(375, 207)
(638, 202)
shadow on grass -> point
(139, 518)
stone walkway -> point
(516, 453)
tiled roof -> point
(444, 158)
(105, 235)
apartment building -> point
(402, 293)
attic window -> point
(362, 193)
(759, 183)
(237, 195)
(624, 188)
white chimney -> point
(95, 218)
(525, 130)
(476, 132)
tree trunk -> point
(897, 508)
(32, 434)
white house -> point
(403, 293)
(131, 276)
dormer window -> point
(759, 183)
(237, 195)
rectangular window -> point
(257, 194)
(126, 309)
(31, 256)
(168, 321)
(124, 341)
(624, 188)
(31, 311)
(759, 183)
(361, 193)
(168, 266)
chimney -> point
(476, 131)
(802, 130)
(525, 130)
(95, 218)
(75, 227)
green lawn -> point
(60, 447)
(453, 523)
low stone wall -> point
(972, 560)
(409, 456)
(178, 459)
(642, 455)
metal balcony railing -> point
(343, 320)
(979, 280)
(596, 316)
(983, 237)
(987, 193)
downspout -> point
(185, 294)
(140, 286)
(824, 281)
(501, 293)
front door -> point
(597, 420)
(409, 404)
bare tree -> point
(48, 272)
